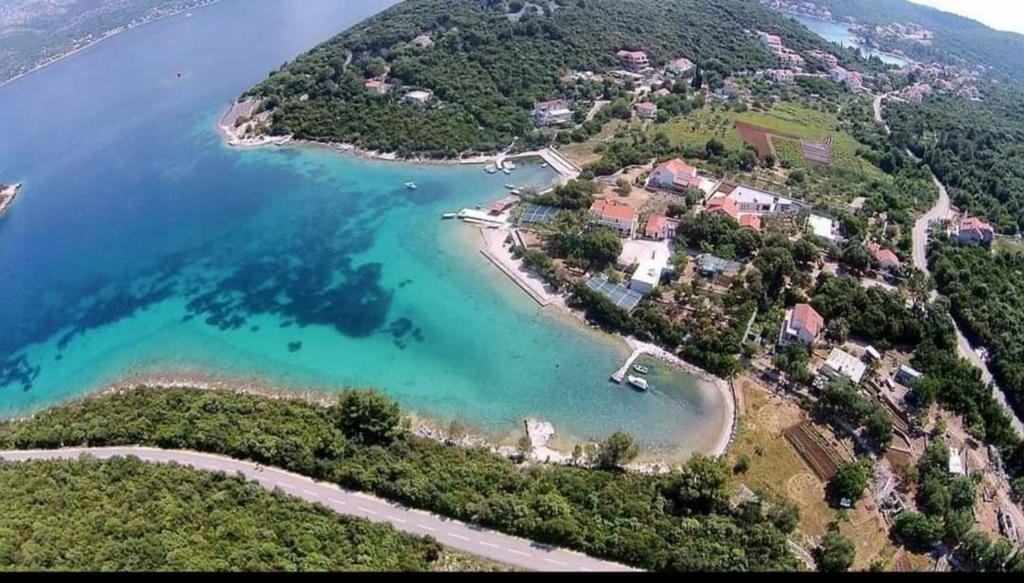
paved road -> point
(453, 533)
(942, 210)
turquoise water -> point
(141, 245)
(842, 35)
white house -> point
(614, 215)
(974, 231)
(803, 324)
(647, 276)
(552, 113)
(824, 227)
(843, 363)
(674, 175)
(419, 98)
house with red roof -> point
(974, 231)
(660, 227)
(674, 175)
(377, 86)
(646, 110)
(750, 222)
(614, 215)
(724, 205)
(803, 324)
(887, 260)
(634, 60)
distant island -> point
(37, 33)
(7, 194)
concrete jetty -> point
(620, 375)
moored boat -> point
(449, 215)
(641, 369)
(411, 185)
(638, 382)
(490, 169)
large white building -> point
(843, 363)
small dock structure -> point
(620, 375)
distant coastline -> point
(103, 36)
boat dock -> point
(620, 375)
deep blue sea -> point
(841, 34)
(142, 245)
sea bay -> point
(142, 244)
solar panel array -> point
(617, 293)
(537, 214)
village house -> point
(974, 231)
(825, 228)
(780, 76)
(887, 260)
(843, 364)
(851, 79)
(791, 60)
(828, 59)
(647, 276)
(680, 66)
(715, 267)
(803, 324)
(377, 86)
(423, 41)
(646, 110)
(674, 175)
(419, 98)
(738, 200)
(634, 60)
(660, 227)
(750, 222)
(771, 42)
(614, 215)
(552, 113)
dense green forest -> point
(983, 288)
(127, 515)
(958, 40)
(973, 147)
(489, 63)
(677, 521)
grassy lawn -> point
(582, 153)
(839, 183)
(776, 467)
(1008, 245)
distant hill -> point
(34, 32)
(957, 39)
(488, 61)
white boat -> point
(638, 382)
(510, 166)
(490, 169)
(449, 215)
(544, 165)
(411, 185)
(510, 186)
(641, 369)
(506, 171)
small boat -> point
(490, 169)
(506, 171)
(516, 191)
(449, 216)
(510, 166)
(638, 382)
(544, 165)
(510, 186)
(411, 185)
(641, 369)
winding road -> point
(941, 210)
(452, 533)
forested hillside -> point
(491, 60)
(956, 38)
(679, 521)
(127, 515)
(973, 147)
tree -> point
(917, 531)
(836, 552)
(878, 426)
(700, 486)
(837, 331)
(623, 186)
(856, 256)
(978, 553)
(616, 451)
(850, 481)
(368, 416)
(714, 148)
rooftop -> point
(846, 364)
(610, 209)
